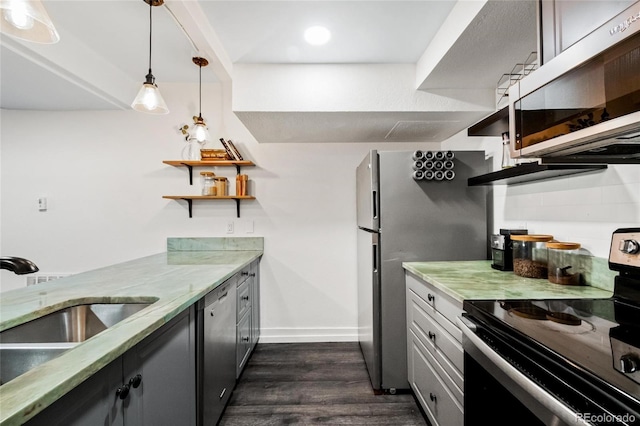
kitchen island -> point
(435, 292)
(172, 282)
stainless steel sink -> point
(28, 345)
(18, 358)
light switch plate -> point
(42, 204)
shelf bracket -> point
(238, 207)
(190, 203)
(190, 167)
(237, 171)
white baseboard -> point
(308, 335)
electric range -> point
(558, 362)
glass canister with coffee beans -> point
(530, 255)
(564, 263)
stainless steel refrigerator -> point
(401, 219)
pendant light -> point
(27, 20)
(149, 99)
(200, 132)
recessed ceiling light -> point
(317, 35)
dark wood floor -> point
(313, 383)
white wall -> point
(103, 176)
(584, 208)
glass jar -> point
(507, 161)
(530, 255)
(208, 183)
(564, 263)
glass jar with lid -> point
(208, 183)
(530, 255)
(564, 263)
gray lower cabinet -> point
(254, 284)
(248, 314)
(162, 394)
(166, 364)
(172, 377)
(434, 352)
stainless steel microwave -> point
(585, 102)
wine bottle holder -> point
(436, 166)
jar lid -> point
(219, 178)
(207, 174)
(558, 245)
(532, 237)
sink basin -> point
(18, 358)
(28, 345)
(73, 324)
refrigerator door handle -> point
(375, 258)
(374, 204)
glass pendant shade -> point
(27, 20)
(200, 132)
(150, 100)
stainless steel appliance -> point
(584, 102)
(404, 220)
(217, 362)
(502, 249)
(560, 362)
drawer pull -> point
(245, 297)
(433, 398)
(245, 339)
(431, 297)
(432, 336)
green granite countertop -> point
(175, 280)
(466, 280)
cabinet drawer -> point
(442, 346)
(439, 400)
(244, 299)
(436, 300)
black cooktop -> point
(599, 336)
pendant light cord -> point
(200, 106)
(150, 31)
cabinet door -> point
(565, 22)
(94, 402)
(166, 361)
(254, 276)
(243, 348)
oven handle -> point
(567, 415)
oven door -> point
(511, 381)
(493, 385)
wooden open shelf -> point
(211, 163)
(190, 164)
(189, 199)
